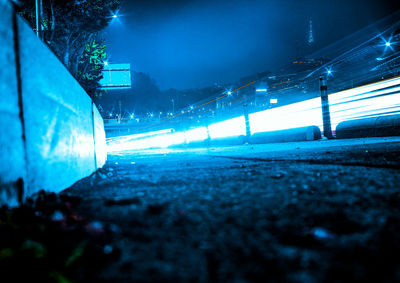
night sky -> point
(196, 43)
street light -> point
(387, 43)
(329, 72)
(114, 14)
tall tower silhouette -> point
(311, 34)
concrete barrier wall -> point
(12, 167)
(290, 135)
(381, 126)
(52, 134)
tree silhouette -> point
(71, 28)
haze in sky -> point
(196, 43)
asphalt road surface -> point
(324, 211)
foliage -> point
(70, 27)
(91, 65)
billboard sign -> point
(116, 76)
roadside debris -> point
(46, 241)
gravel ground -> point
(304, 212)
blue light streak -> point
(195, 135)
(377, 99)
(229, 128)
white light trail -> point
(377, 99)
(138, 136)
(229, 128)
(370, 100)
(160, 141)
(198, 134)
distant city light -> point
(132, 116)
(111, 114)
(105, 63)
(261, 90)
(115, 16)
(191, 107)
(229, 93)
(388, 43)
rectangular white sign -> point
(116, 76)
